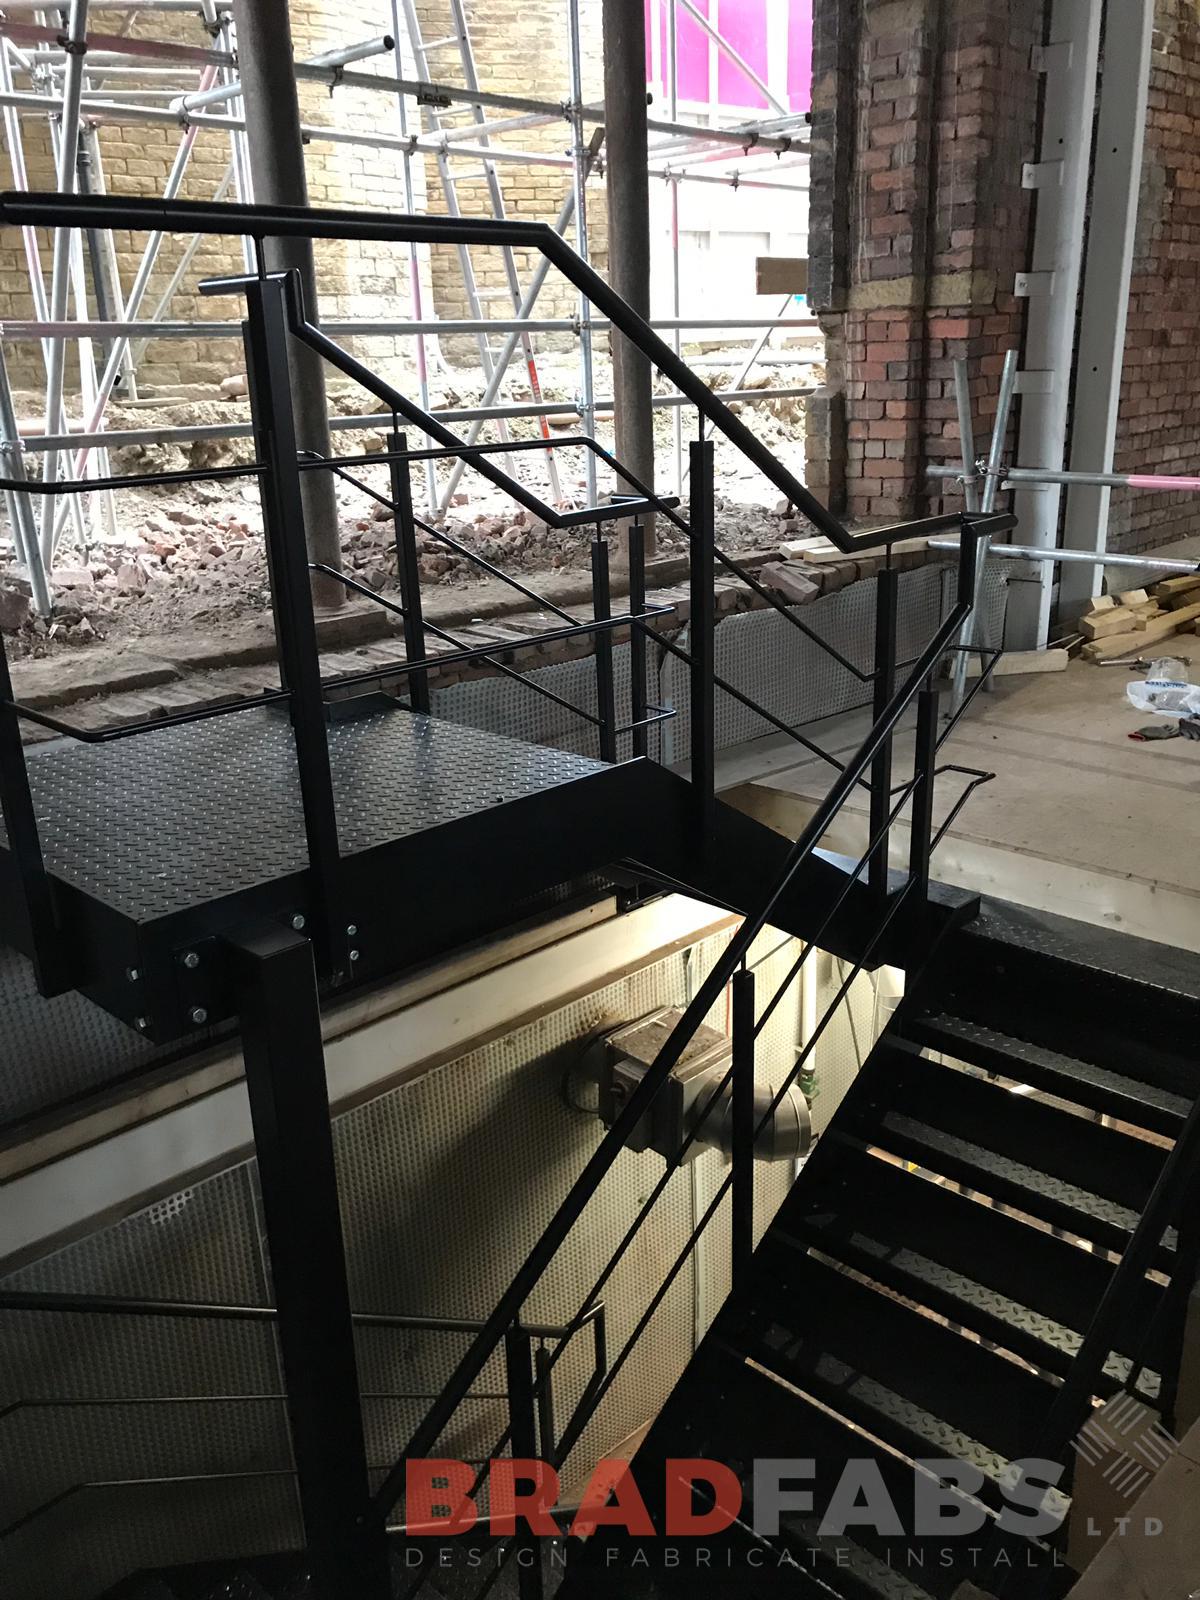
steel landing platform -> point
(158, 845)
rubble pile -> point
(192, 555)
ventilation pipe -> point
(691, 1102)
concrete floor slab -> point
(1078, 819)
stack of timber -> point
(1136, 622)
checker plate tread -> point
(159, 823)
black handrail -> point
(1176, 1179)
(743, 1055)
(508, 1309)
(49, 210)
(113, 1305)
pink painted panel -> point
(691, 43)
(744, 24)
(800, 28)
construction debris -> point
(1171, 590)
(787, 579)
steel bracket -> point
(1027, 284)
(1034, 382)
(1052, 57)
(1041, 174)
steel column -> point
(1052, 286)
(887, 596)
(639, 700)
(408, 570)
(702, 638)
(627, 185)
(522, 1415)
(276, 154)
(1100, 346)
(924, 765)
(268, 375)
(289, 1107)
(742, 1132)
(606, 703)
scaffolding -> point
(56, 67)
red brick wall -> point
(1159, 419)
(924, 111)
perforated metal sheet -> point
(767, 658)
(759, 652)
(446, 1183)
(505, 707)
(57, 1049)
(156, 824)
(99, 1543)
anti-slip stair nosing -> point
(968, 1040)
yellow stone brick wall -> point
(520, 48)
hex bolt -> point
(141, 1024)
(298, 922)
(199, 1016)
(132, 974)
(191, 960)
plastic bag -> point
(1165, 691)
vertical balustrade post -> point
(408, 570)
(742, 1141)
(606, 700)
(1180, 1293)
(543, 1367)
(269, 379)
(702, 639)
(638, 691)
(925, 760)
(883, 688)
(522, 1420)
(45, 947)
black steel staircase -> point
(929, 1292)
(991, 1233)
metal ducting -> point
(691, 1101)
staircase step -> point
(733, 1412)
(727, 1411)
(909, 1380)
(1064, 1169)
(1087, 992)
(1145, 1105)
(1008, 1281)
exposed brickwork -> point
(930, 106)
(1159, 423)
(520, 50)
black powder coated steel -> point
(159, 825)
(293, 1140)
